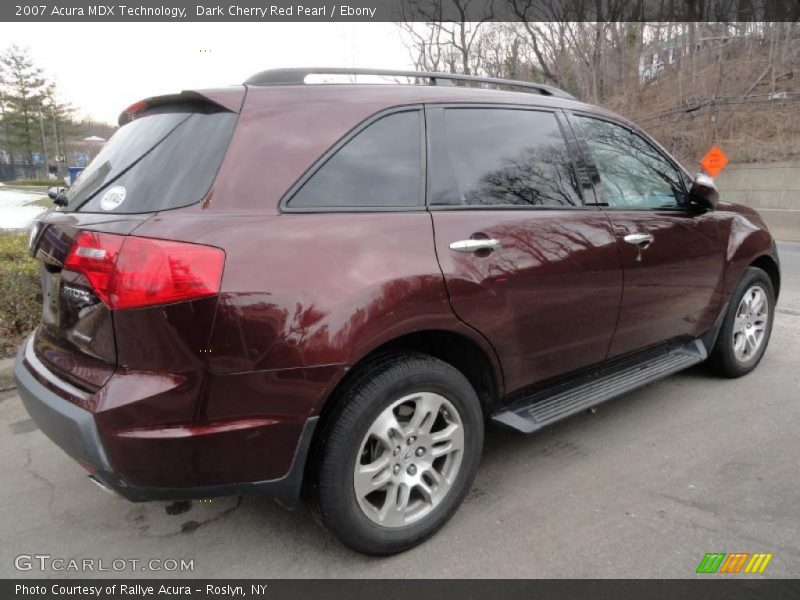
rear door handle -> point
(474, 245)
(643, 240)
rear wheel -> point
(747, 326)
(398, 458)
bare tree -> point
(691, 83)
(437, 42)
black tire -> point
(331, 490)
(723, 358)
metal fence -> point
(11, 172)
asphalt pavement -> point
(644, 487)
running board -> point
(565, 399)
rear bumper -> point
(75, 430)
(69, 426)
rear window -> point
(166, 158)
(381, 167)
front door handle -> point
(474, 245)
(643, 240)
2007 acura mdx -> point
(326, 290)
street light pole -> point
(57, 136)
(44, 144)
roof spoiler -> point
(229, 99)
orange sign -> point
(714, 161)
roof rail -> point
(298, 76)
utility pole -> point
(57, 138)
(6, 128)
(44, 142)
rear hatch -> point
(165, 156)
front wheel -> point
(747, 326)
(397, 460)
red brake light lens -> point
(94, 255)
(136, 107)
(133, 272)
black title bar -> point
(483, 589)
(398, 10)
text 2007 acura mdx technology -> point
(326, 290)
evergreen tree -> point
(22, 95)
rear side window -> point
(166, 158)
(380, 167)
(501, 157)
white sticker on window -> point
(113, 197)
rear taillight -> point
(132, 272)
(94, 255)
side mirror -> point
(704, 192)
(58, 196)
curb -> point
(33, 189)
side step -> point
(552, 404)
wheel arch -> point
(749, 244)
(768, 264)
(476, 361)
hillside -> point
(741, 94)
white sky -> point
(102, 68)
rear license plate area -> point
(51, 305)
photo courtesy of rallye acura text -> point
(137, 590)
(327, 291)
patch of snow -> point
(17, 210)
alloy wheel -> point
(409, 459)
(750, 323)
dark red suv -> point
(326, 290)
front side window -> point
(380, 167)
(633, 173)
(501, 157)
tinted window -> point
(380, 167)
(491, 157)
(166, 158)
(633, 173)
